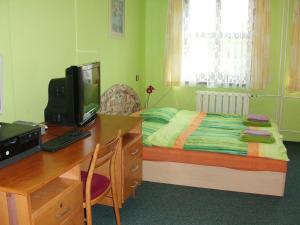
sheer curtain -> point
(217, 43)
(261, 45)
(294, 82)
(173, 43)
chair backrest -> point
(103, 154)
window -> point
(217, 42)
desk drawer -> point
(133, 177)
(132, 151)
(58, 210)
(75, 219)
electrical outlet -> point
(137, 77)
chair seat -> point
(98, 186)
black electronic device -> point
(75, 99)
(18, 141)
(64, 140)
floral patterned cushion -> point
(120, 99)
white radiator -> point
(222, 102)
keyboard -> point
(64, 140)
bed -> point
(209, 159)
(242, 167)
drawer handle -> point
(135, 185)
(63, 213)
(136, 151)
(134, 169)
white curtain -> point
(261, 45)
(217, 43)
(173, 43)
(294, 78)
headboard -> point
(120, 99)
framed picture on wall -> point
(117, 18)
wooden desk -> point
(45, 183)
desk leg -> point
(23, 209)
(4, 209)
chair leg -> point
(117, 213)
(88, 211)
(116, 206)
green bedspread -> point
(149, 128)
(216, 133)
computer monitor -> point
(75, 99)
(84, 82)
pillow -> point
(119, 99)
(163, 115)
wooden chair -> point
(95, 186)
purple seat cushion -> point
(99, 184)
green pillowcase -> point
(248, 123)
(258, 139)
(162, 115)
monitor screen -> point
(91, 89)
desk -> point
(32, 189)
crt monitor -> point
(75, 99)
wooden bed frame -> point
(221, 178)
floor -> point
(161, 204)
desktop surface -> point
(30, 174)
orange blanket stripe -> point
(194, 124)
(253, 149)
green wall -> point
(8, 111)
(39, 43)
(39, 39)
(274, 101)
(121, 58)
